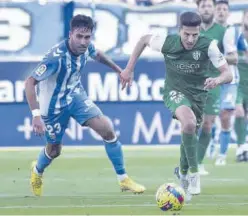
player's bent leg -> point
(182, 173)
(55, 128)
(240, 130)
(228, 101)
(113, 148)
(45, 158)
(211, 110)
(204, 140)
(211, 150)
(225, 135)
(188, 120)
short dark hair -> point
(191, 19)
(222, 2)
(198, 2)
(81, 21)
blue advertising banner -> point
(134, 123)
(139, 115)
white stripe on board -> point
(100, 147)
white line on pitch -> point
(113, 205)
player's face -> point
(221, 13)
(206, 10)
(189, 36)
(80, 39)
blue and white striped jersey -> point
(237, 37)
(59, 76)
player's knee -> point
(53, 150)
(225, 117)
(189, 126)
(226, 114)
(108, 135)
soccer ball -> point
(170, 197)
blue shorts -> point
(80, 109)
(228, 96)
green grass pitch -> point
(82, 181)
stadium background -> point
(28, 29)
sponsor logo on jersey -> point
(186, 67)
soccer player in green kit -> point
(226, 44)
(187, 56)
(242, 100)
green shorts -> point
(174, 99)
(242, 98)
(212, 106)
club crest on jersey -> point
(41, 69)
(196, 55)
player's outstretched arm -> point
(104, 59)
(127, 74)
(224, 77)
(218, 60)
(38, 124)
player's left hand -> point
(126, 77)
(211, 83)
(38, 126)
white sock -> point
(245, 147)
(36, 171)
(239, 150)
(122, 177)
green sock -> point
(189, 141)
(240, 129)
(202, 145)
(184, 166)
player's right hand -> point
(38, 126)
(126, 78)
(211, 82)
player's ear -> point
(70, 34)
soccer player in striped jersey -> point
(228, 91)
(242, 99)
(61, 96)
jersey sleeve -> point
(229, 41)
(157, 41)
(45, 69)
(215, 56)
(242, 43)
(92, 51)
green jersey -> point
(215, 32)
(186, 70)
(243, 71)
